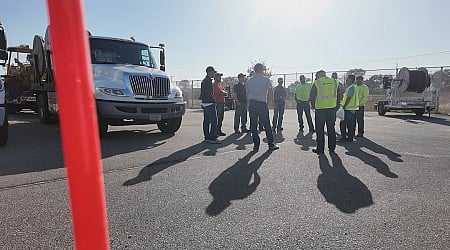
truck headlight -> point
(175, 92)
(111, 91)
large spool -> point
(413, 80)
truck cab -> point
(128, 85)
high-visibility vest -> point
(363, 94)
(326, 92)
(353, 104)
(302, 91)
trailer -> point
(406, 92)
(18, 79)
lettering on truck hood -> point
(112, 76)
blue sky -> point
(289, 35)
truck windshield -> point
(105, 51)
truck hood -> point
(112, 75)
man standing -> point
(279, 94)
(209, 107)
(324, 98)
(363, 94)
(302, 93)
(350, 104)
(240, 112)
(258, 87)
(341, 86)
(219, 97)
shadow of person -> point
(234, 183)
(306, 141)
(241, 143)
(179, 156)
(355, 149)
(340, 188)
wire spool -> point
(39, 56)
(413, 80)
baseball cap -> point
(240, 74)
(210, 68)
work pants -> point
(259, 112)
(325, 117)
(210, 122)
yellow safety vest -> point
(302, 91)
(363, 94)
(353, 104)
(326, 92)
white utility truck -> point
(3, 115)
(129, 87)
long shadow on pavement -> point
(420, 119)
(234, 183)
(340, 188)
(355, 149)
(177, 157)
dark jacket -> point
(206, 91)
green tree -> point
(356, 72)
(267, 72)
(441, 77)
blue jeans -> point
(328, 117)
(348, 125)
(240, 116)
(304, 107)
(220, 107)
(210, 122)
(259, 112)
(278, 112)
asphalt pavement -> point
(388, 190)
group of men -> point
(324, 96)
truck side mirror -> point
(162, 60)
(3, 53)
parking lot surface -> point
(388, 190)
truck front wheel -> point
(170, 126)
(4, 132)
(380, 108)
(102, 126)
(419, 112)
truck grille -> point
(157, 87)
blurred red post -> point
(78, 123)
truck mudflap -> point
(121, 113)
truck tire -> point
(170, 126)
(102, 126)
(43, 112)
(4, 132)
(11, 109)
(380, 108)
(419, 112)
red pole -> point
(78, 122)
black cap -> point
(210, 68)
(240, 74)
(218, 74)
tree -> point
(441, 77)
(267, 72)
(356, 72)
(184, 84)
